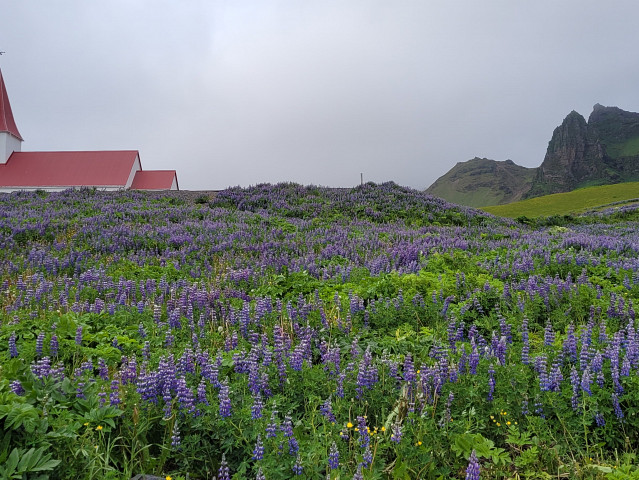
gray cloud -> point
(245, 92)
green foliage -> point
(21, 462)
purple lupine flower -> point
(505, 329)
(396, 433)
(186, 363)
(297, 467)
(333, 457)
(13, 349)
(271, 427)
(600, 421)
(367, 457)
(359, 475)
(542, 370)
(625, 366)
(129, 370)
(258, 451)
(41, 368)
(175, 435)
(185, 396)
(586, 381)
(201, 392)
(355, 351)
(585, 353)
(279, 350)
(114, 396)
(254, 376)
(287, 430)
(103, 370)
(326, 409)
(78, 335)
(141, 330)
(364, 436)
(260, 474)
(491, 382)
(597, 363)
(39, 344)
(409, 369)
(617, 407)
(53, 346)
(473, 470)
(367, 374)
(525, 348)
(500, 350)
(258, 405)
(556, 377)
(549, 334)
(603, 335)
(169, 339)
(570, 344)
(223, 472)
(473, 361)
(16, 387)
(225, 400)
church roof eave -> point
(7, 122)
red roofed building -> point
(155, 180)
(106, 170)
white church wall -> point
(136, 167)
(8, 145)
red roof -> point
(7, 123)
(154, 180)
(69, 169)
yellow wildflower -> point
(383, 429)
(99, 427)
(349, 425)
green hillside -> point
(575, 202)
(482, 181)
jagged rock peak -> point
(601, 113)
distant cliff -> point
(600, 151)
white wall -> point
(8, 145)
(136, 167)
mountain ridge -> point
(600, 151)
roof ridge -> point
(7, 122)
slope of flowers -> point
(285, 331)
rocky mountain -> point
(600, 151)
(482, 182)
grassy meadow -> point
(570, 203)
(287, 331)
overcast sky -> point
(243, 92)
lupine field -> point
(283, 331)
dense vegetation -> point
(283, 331)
